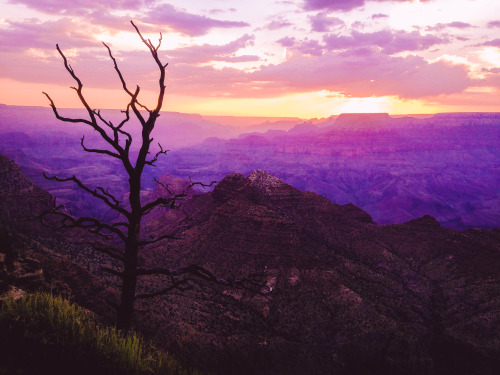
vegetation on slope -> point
(41, 333)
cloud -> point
(186, 23)
(287, 41)
(219, 11)
(455, 25)
(363, 67)
(321, 22)
(494, 24)
(44, 35)
(309, 47)
(390, 41)
(29, 66)
(208, 52)
(372, 74)
(491, 70)
(305, 47)
(278, 23)
(340, 5)
(74, 6)
(332, 4)
(360, 72)
(492, 43)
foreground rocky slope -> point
(34, 258)
(342, 295)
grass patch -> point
(41, 333)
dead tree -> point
(129, 230)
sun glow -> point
(491, 55)
(365, 105)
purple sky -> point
(307, 58)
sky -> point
(301, 58)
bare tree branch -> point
(165, 202)
(192, 184)
(98, 151)
(203, 273)
(92, 224)
(133, 95)
(97, 112)
(129, 230)
(104, 197)
(92, 114)
(78, 90)
(161, 67)
(155, 158)
(61, 118)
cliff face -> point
(343, 295)
(33, 257)
(21, 202)
(396, 169)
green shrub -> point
(42, 333)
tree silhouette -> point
(128, 230)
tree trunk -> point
(129, 277)
(129, 281)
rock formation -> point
(344, 295)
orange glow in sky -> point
(307, 58)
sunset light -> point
(250, 187)
(304, 58)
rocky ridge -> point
(343, 295)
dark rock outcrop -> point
(344, 295)
(33, 257)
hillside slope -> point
(343, 295)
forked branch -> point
(200, 272)
(91, 224)
(104, 196)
